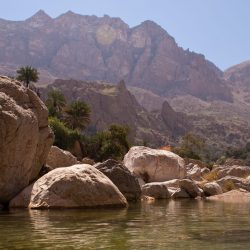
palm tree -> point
(77, 115)
(27, 74)
(55, 103)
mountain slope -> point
(93, 48)
(115, 104)
(238, 78)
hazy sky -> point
(219, 29)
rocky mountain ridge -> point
(114, 104)
(105, 48)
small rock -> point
(212, 188)
(190, 187)
(194, 173)
(156, 189)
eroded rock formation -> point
(25, 138)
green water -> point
(185, 224)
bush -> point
(211, 176)
(190, 146)
(111, 143)
(64, 137)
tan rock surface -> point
(233, 196)
(71, 187)
(25, 138)
(156, 190)
(154, 165)
(212, 188)
(60, 158)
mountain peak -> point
(39, 18)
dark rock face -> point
(122, 178)
(92, 48)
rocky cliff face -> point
(238, 78)
(115, 104)
(25, 138)
(92, 48)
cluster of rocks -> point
(165, 175)
(36, 175)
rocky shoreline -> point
(37, 176)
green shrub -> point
(111, 143)
(64, 137)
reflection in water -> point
(181, 224)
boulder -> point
(233, 196)
(121, 177)
(58, 158)
(237, 171)
(228, 183)
(194, 173)
(156, 190)
(180, 193)
(70, 187)
(190, 187)
(212, 188)
(25, 137)
(154, 165)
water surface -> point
(183, 224)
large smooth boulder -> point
(122, 178)
(233, 196)
(156, 190)
(71, 187)
(154, 165)
(60, 158)
(190, 187)
(25, 137)
(212, 188)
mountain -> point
(105, 48)
(166, 80)
(114, 104)
(238, 78)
